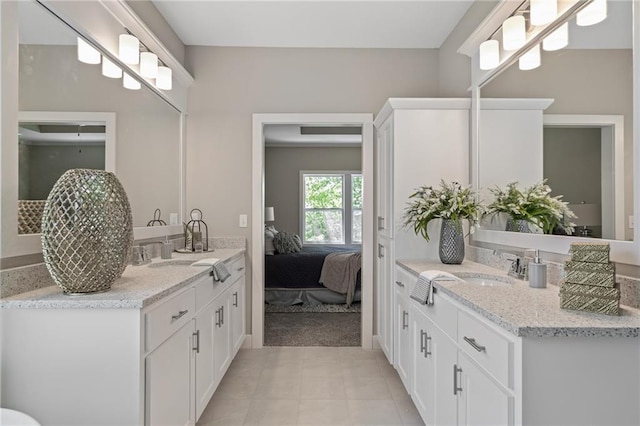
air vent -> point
(325, 130)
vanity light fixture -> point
(543, 11)
(489, 54)
(164, 81)
(531, 59)
(557, 39)
(514, 35)
(109, 69)
(129, 49)
(87, 53)
(130, 83)
(149, 65)
(592, 14)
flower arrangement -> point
(450, 201)
(535, 205)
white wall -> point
(233, 83)
(282, 177)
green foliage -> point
(356, 191)
(323, 192)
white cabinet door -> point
(481, 401)
(206, 380)
(384, 171)
(237, 314)
(423, 392)
(444, 352)
(384, 292)
(169, 379)
(403, 352)
(221, 335)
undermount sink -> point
(183, 262)
(487, 281)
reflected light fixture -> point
(109, 69)
(594, 13)
(543, 11)
(87, 53)
(513, 33)
(557, 39)
(489, 54)
(531, 59)
(164, 79)
(130, 83)
(149, 65)
(129, 49)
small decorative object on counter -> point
(590, 280)
(451, 203)
(156, 221)
(196, 233)
(87, 231)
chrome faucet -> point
(519, 263)
(141, 254)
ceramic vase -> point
(451, 248)
(518, 225)
(87, 231)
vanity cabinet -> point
(403, 338)
(418, 142)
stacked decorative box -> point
(590, 280)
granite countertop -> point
(526, 311)
(138, 287)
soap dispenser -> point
(537, 272)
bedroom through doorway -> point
(316, 231)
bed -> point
(293, 278)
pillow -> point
(287, 243)
(269, 249)
(272, 229)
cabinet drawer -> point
(165, 319)
(207, 289)
(236, 268)
(491, 350)
(404, 282)
(444, 314)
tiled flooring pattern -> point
(310, 386)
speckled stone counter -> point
(522, 310)
(138, 287)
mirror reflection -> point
(51, 79)
(582, 142)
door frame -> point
(257, 207)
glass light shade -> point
(489, 54)
(87, 53)
(164, 79)
(269, 214)
(109, 69)
(557, 39)
(592, 14)
(148, 65)
(531, 59)
(130, 83)
(129, 49)
(514, 35)
(543, 11)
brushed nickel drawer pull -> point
(423, 346)
(400, 283)
(380, 251)
(197, 336)
(235, 299)
(380, 223)
(240, 269)
(475, 346)
(405, 318)
(456, 388)
(179, 315)
(427, 346)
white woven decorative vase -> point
(87, 231)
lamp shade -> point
(587, 214)
(129, 49)
(489, 54)
(543, 11)
(149, 65)
(164, 79)
(557, 39)
(109, 69)
(269, 214)
(87, 53)
(130, 83)
(594, 13)
(514, 35)
(531, 59)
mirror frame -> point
(627, 252)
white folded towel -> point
(423, 291)
(220, 271)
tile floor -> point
(310, 386)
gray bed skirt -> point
(306, 296)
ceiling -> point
(304, 23)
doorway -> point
(365, 121)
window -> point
(331, 209)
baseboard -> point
(246, 344)
(376, 342)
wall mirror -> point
(147, 138)
(582, 141)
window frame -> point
(347, 204)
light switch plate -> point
(243, 221)
(173, 218)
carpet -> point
(312, 329)
(324, 307)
